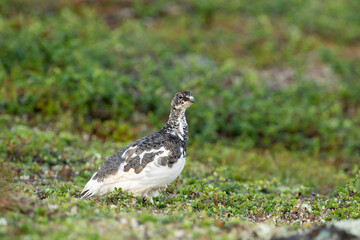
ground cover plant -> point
(274, 134)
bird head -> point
(182, 100)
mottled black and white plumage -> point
(150, 163)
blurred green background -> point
(266, 74)
(276, 84)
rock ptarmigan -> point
(150, 163)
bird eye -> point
(181, 96)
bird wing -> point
(133, 169)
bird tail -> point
(91, 189)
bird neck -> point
(177, 124)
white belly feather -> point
(151, 178)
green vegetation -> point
(274, 134)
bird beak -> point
(192, 99)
